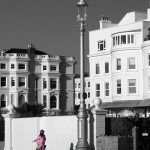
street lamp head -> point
(82, 3)
(82, 16)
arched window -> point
(53, 102)
(21, 99)
(3, 101)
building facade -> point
(87, 91)
(30, 75)
(119, 58)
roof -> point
(24, 51)
(133, 17)
(126, 104)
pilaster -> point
(99, 116)
(8, 127)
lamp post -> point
(82, 143)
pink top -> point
(41, 140)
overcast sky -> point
(51, 24)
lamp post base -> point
(82, 146)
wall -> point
(60, 131)
(114, 143)
(1, 145)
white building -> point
(87, 91)
(119, 59)
(30, 75)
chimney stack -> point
(148, 11)
(104, 22)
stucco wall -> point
(60, 131)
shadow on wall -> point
(91, 128)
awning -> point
(126, 104)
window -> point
(53, 68)
(21, 81)
(132, 86)
(119, 86)
(12, 66)
(75, 85)
(123, 39)
(44, 83)
(3, 66)
(13, 99)
(106, 89)
(132, 38)
(21, 66)
(44, 67)
(106, 67)
(3, 101)
(78, 85)
(88, 94)
(12, 81)
(78, 95)
(53, 83)
(53, 102)
(97, 69)
(149, 60)
(44, 101)
(88, 84)
(3, 81)
(101, 45)
(131, 63)
(118, 64)
(97, 90)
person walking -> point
(40, 140)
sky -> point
(52, 27)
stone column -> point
(99, 116)
(8, 127)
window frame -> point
(119, 87)
(97, 90)
(13, 81)
(2, 82)
(97, 68)
(5, 101)
(44, 68)
(3, 68)
(45, 101)
(118, 66)
(51, 68)
(52, 82)
(44, 83)
(12, 68)
(23, 67)
(107, 89)
(106, 67)
(101, 45)
(24, 85)
(131, 86)
(130, 65)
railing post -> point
(135, 138)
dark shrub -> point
(30, 110)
